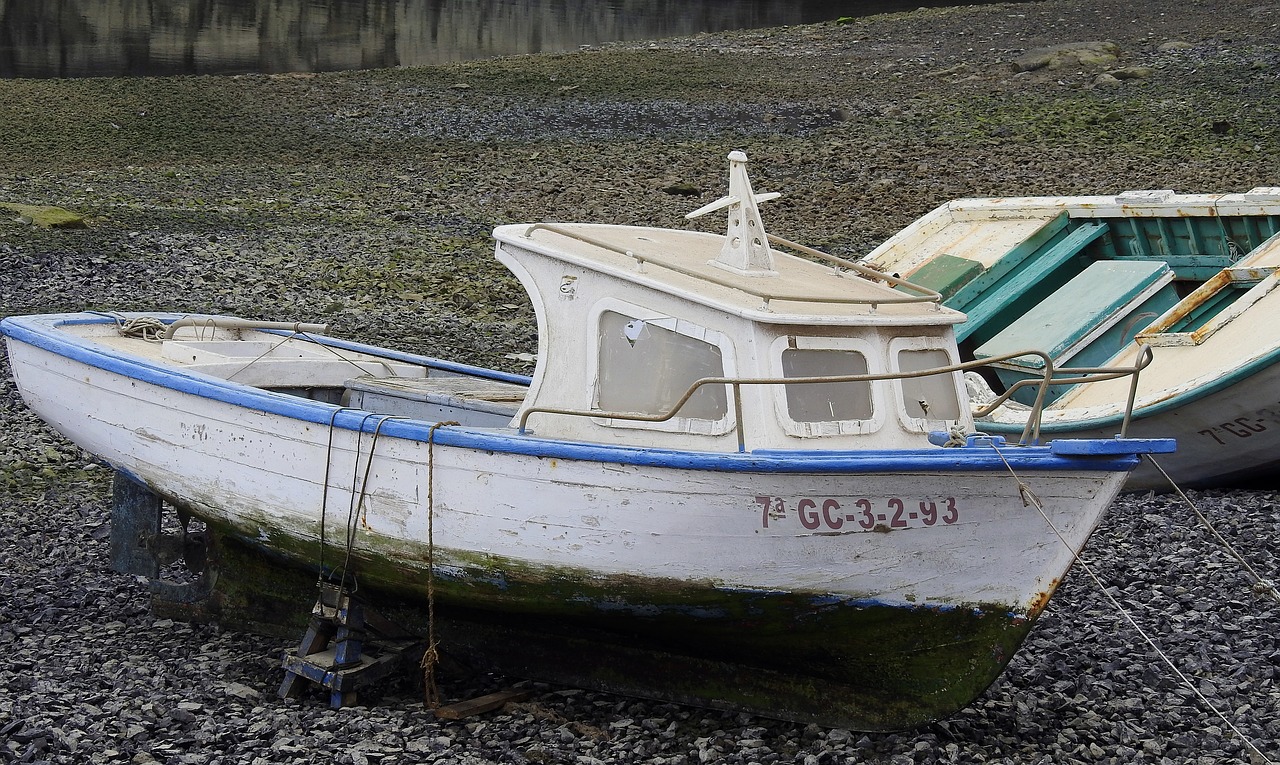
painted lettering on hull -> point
(1240, 427)
(857, 514)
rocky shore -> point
(365, 200)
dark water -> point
(85, 38)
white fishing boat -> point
(737, 477)
(1188, 279)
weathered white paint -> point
(217, 449)
(265, 472)
(607, 281)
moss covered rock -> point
(46, 216)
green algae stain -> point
(46, 216)
(858, 664)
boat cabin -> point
(629, 318)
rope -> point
(956, 437)
(303, 336)
(357, 498)
(151, 329)
(324, 490)
(1255, 753)
(146, 327)
(1261, 585)
(431, 657)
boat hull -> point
(1227, 429)
(877, 597)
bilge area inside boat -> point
(301, 364)
(995, 265)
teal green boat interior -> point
(1083, 323)
(1081, 288)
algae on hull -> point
(855, 664)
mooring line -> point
(1261, 584)
(431, 657)
(357, 500)
(1026, 493)
(324, 489)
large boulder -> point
(1077, 54)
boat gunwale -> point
(44, 331)
(1192, 394)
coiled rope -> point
(148, 328)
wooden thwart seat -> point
(1086, 321)
(471, 400)
(1025, 273)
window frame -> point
(672, 323)
(925, 343)
(828, 428)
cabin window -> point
(826, 402)
(932, 397)
(647, 365)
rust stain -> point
(1041, 599)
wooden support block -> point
(135, 527)
(480, 705)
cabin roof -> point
(684, 264)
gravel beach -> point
(365, 200)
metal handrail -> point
(1030, 431)
(929, 295)
(926, 294)
(231, 322)
(1084, 375)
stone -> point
(1083, 54)
(1132, 73)
(46, 216)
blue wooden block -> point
(1112, 446)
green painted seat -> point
(946, 274)
(1022, 277)
(1085, 322)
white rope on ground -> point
(1255, 753)
(1261, 584)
